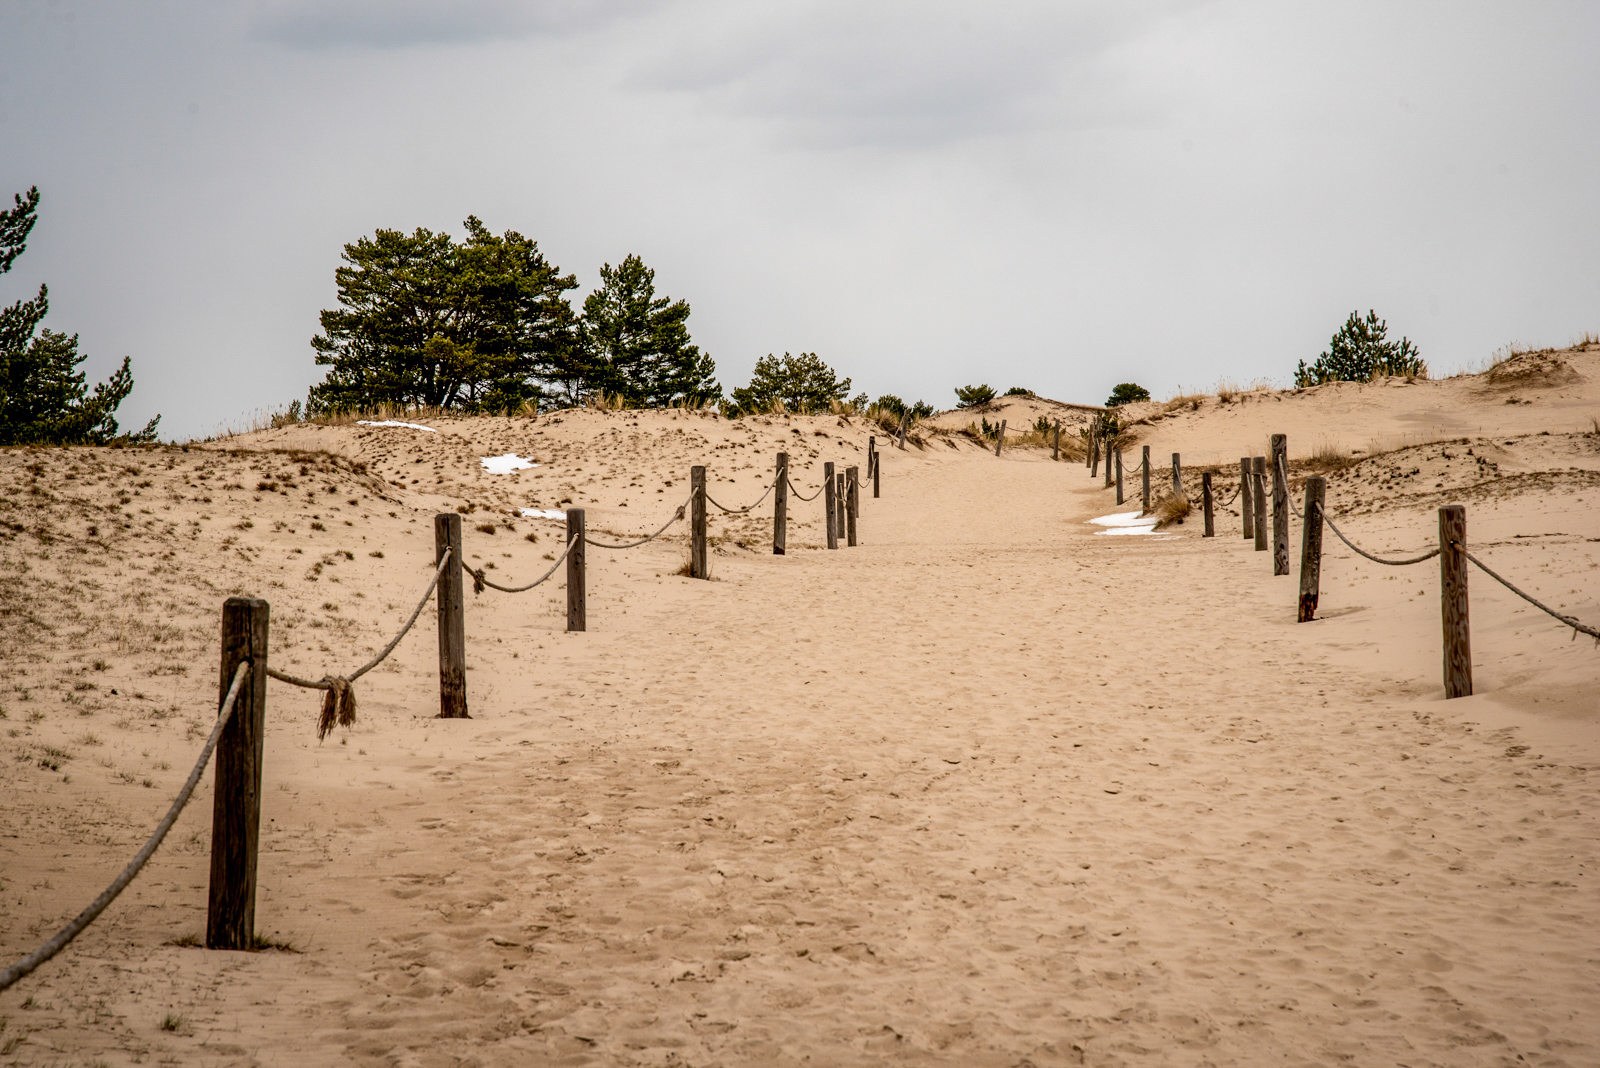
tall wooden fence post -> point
(1258, 486)
(452, 617)
(697, 523)
(1055, 453)
(1144, 469)
(1094, 456)
(1246, 498)
(236, 804)
(1453, 601)
(905, 419)
(1279, 461)
(780, 506)
(1109, 450)
(577, 576)
(1311, 548)
(872, 453)
(1088, 446)
(852, 502)
(1119, 476)
(1205, 498)
(1177, 476)
(877, 470)
(1000, 437)
(830, 505)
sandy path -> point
(972, 793)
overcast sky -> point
(1059, 196)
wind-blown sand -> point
(983, 790)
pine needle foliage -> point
(1360, 352)
(44, 398)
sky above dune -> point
(1058, 196)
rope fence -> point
(1254, 474)
(64, 936)
(237, 736)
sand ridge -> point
(986, 789)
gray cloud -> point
(849, 74)
(388, 24)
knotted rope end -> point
(338, 705)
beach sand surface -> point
(985, 789)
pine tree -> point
(802, 383)
(1359, 353)
(44, 399)
(636, 345)
(425, 321)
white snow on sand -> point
(391, 422)
(1126, 523)
(542, 513)
(504, 465)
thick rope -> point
(746, 508)
(796, 491)
(649, 537)
(1577, 627)
(109, 894)
(1429, 555)
(1298, 514)
(339, 700)
(1230, 500)
(479, 581)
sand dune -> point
(986, 789)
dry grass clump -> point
(1191, 401)
(1171, 510)
(1329, 456)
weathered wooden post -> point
(780, 506)
(1108, 451)
(1453, 601)
(852, 501)
(1279, 461)
(452, 617)
(1258, 486)
(236, 804)
(1000, 437)
(577, 578)
(1144, 469)
(1311, 548)
(1246, 498)
(697, 524)
(1119, 476)
(830, 505)
(905, 418)
(1177, 476)
(1055, 453)
(1094, 455)
(1088, 445)
(872, 453)
(1205, 498)
(877, 469)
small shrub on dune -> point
(1171, 510)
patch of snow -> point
(542, 513)
(1127, 523)
(504, 465)
(391, 422)
(1125, 519)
